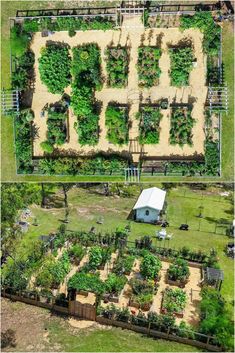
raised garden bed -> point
(174, 302)
(149, 126)
(124, 265)
(150, 266)
(178, 273)
(181, 65)
(117, 61)
(116, 121)
(113, 287)
(181, 126)
(143, 292)
(148, 66)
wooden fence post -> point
(149, 326)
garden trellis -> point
(10, 101)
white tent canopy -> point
(152, 197)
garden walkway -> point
(132, 35)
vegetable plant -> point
(181, 65)
(117, 60)
(179, 270)
(114, 283)
(181, 127)
(86, 281)
(149, 126)
(150, 266)
(116, 121)
(148, 66)
(174, 301)
(54, 67)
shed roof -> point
(152, 197)
(214, 274)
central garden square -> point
(133, 81)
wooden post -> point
(149, 327)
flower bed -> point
(150, 118)
(148, 66)
(117, 66)
(178, 273)
(174, 302)
(181, 127)
(181, 65)
(116, 121)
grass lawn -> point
(9, 8)
(87, 206)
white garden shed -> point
(149, 205)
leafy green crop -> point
(181, 65)
(174, 300)
(116, 121)
(117, 66)
(178, 270)
(86, 281)
(54, 67)
(181, 127)
(150, 118)
(148, 66)
(150, 266)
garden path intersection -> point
(133, 35)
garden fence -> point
(88, 312)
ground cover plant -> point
(54, 67)
(149, 129)
(181, 127)
(178, 270)
(181, 65)
(116, 121)
(148, 66)
(150, 266)
(117, 60)
(174, 301)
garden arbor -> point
(214, 277)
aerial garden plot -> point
(100, 95)
(118, 275)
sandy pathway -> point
(132, 35)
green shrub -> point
(47, 146)
(77, 252)
(117, 60)
(181, 65)
(178, 270)
(21, 75)
(56, 126)
(148, 66)
(20, 40)
(87, 282)
(150, 118)
(124, 264)
(150, 266)
(181, 127)
(212, 160)
(72, 32)
(114, 284)
(54, 67)
(211, 30)
(116, 121)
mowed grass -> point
(87, 206)
(111, 340)
(9, 9)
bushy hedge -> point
(181, 65)
(212, 160)
(181, 127)
(67, 23)
(215, 318)
(211, 30)
(54, 67)
(148, 66)
(150, 118)
(117, 66)
(23, 142)
(116, 121)
(23, 72)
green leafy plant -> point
(124, 265)
(174, 300)
(150, 266)
(114, 283)
(116, 121)
(54, 67)
(181, 127)
(149, 129)
(76, 252)
(117, 60)
(178, 270)
(148, 66)
(86, 281)
(181, 65)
